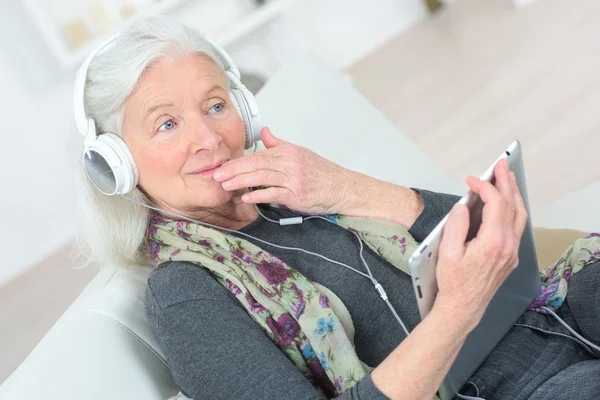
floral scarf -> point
(305, 320)
(555, 279)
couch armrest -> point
(94, 351)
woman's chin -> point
(223, 196)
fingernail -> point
(218, 174)
(226, 184)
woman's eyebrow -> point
(215, 88)
(152, 109)
(156, 107)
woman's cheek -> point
(234, 129)
(161, 164)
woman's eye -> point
(167, 126)
(219, 107)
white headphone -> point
(107, 159)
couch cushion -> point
(551, 243)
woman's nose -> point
(202, 136)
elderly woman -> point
(240, 312)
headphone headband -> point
(81, 119)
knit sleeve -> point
(213, 347)
(436, 206)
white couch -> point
(102, 348)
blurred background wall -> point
(36, 102)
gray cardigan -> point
(216, 351)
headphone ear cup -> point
(109, 164)
(255, 123)
(245, 103)
(238, 102)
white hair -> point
(112, 229)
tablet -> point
(510, 301)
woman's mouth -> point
(208, 172)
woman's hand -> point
(294, 176)
(470, 274)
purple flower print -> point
(154, 249)
(274, 271)
(173, 254)
(284, 329)
(317, 368)
(218, 258)
(205, 243)
(338, 383)
(152, 230)
(321, 377)
(567, 274)
(298, 308)
(323, 301)
(545, 293)
(255, 306)
(289, 326)
(180, 230)
(158, 220)
(401, 241)
(244, 256)
(560, 260)
(593, 234)
(265, 292)
(233, 288)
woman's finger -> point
(521, 216)
(261, 177)
(452, 246)
(265, 159)
(270, 140)
(504, 186)
(268, 195)
(492, 214)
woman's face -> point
(178, 122)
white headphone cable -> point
(377, 285)
(577, 335)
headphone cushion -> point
(112, 161)
(237, 98)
